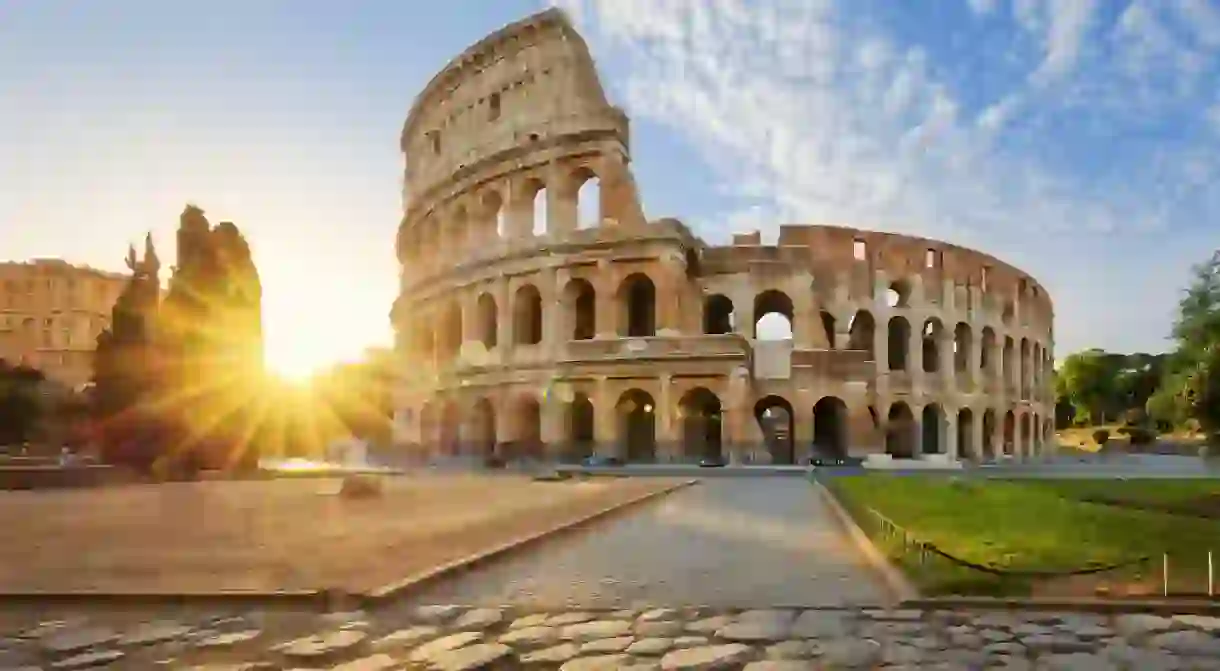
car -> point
(711, 462)
(601, 461)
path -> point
(733, 542)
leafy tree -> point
(1191, 387)
(1087, 380)
(20, 407)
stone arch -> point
(527, 315)
(586, 186)
(580, 419)
(1023, 435)
(1010, 434)
(862, 333)
(527, 429)
(830, 421)
(1023, 363)
(899, 337)
(717, 314)
(533, 191)
(637, 415)
(932, 334)
(484, 424)
(637, 299)
(495, 219)
(987, 353)
(988, 451)
(777, 306)
(828, 328)
(580, 304)
(898, 294)
(932, 429)
(961, 348)
(900, 431)
(450, 429)
(777, 421)
(488, 320)
(965, 434)
(449, 341)
(701, 413)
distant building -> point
(51, 313)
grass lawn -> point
(1037, 526)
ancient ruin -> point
(528, 329)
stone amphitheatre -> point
(527, 332)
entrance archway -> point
(637, 297)
(965, 435)
(580, 428)
(1010, 434)
(775, 418)
(900, 432)
(637, 426)
(484, 428)
(988, 452)
(931, 429)
(701, 425)
(830, 428)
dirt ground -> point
(284, 534)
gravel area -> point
(273, 535)
(734, 542)
(456, 638)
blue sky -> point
(1078, 139)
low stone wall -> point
(59, 477)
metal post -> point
(1211, 575)
(1165, 574)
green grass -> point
(1157, 493)
(1032, 525)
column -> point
(667, 440)
(802, 429)
(504, 318)
(607, 312)
(551, 316)
(605, 425)
(520, 213)
(949, 435)
(976, 432)
(561, 207)
(554, 438)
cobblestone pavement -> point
(724, 542)
(455, 638)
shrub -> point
(1101, 436)
(1141, 436)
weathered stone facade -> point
(524, 330)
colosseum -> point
(542, 315)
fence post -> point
(1211, 575)
(1165, 574)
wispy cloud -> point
(1093, 145)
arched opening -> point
(527, 315)
(580, 301)
(488, 320)
(861, 332)
(637, 426)
(1023, 368)
(772, 316)
(830, 428)
(717, 315)
(828, 328)
(1023, 435)
(588, 199)
(965, 435)
(580, 428)
(900, 432)
(494, 215)
(961, 348)
(484, 428)
(451, 332)
(987, 353)
(988, 453)
(450, 429)
(933, 334)
(775, 418)
(899, 338)
(534, 191)
(1010, 434)
(932, 429)
(527, 443)
(701, 422)
(898, 295)
(638, 297)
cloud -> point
(856, 113)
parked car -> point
(601, 461)
(711, 462)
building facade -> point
(542, 314)
(51, 313)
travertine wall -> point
(51, 313)
(525, 328)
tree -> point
(1087, 380)
(1191, 386)
(20, 406)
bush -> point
(1141, 436)
(1101, 436)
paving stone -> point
(1076, 662)
(437, 614)
(88, 660)
(405, 638)
(780, 665)
(596, 663)
(228, 640)
(657, 614)
(553, 655)
(530, 637)
(650, 647)
(588, 631)
(1203, 622)
(151, 633)
(1056, 643)
(1190, 642)
(607, 645)
(709, 625)
(794, 649)
(851, 653)
(689, 641)
(378, 662)
(320, 646)
(819, 624)
(534, 620)
(427, 651)
(669, 628)
(72, 640)
(707, 657)
(472, 658)
(479, 618)
(1140, 659)
(564, 619)
(624, 614)
(1138, 624)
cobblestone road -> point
(734, 542)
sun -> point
(295, 362)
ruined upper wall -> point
(524, 87)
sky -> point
(1076, 139)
